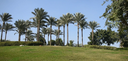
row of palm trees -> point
(42, 20)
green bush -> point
(100, 47)
(17, 43)
(52, 42)
(59, 42)
(71, 43)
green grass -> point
(58, 53)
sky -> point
(21, 9)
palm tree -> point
(78, 17)
(66, 19)
(8, 27)
(28, 25)
(48, 32)
(59, 24)
(5, 18)
(29, 35)
(20, 25)
(51, 21)
(44, 31)
(93, 25)
(56, 33)
(40, 14)
(83, 25)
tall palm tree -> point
(66, 19)
(83, 25)
(5, 17)
(93, 25)
(59, 24)
(78, 17)
(51, 21)
(8, 27)
(20, 25)
(28, 25)
(40, 15)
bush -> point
(71, 43)
(52, 42)
(59, 42)
(17, 43)
(43, 40)
(100, 47)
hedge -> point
(100, 47)
(17, 43)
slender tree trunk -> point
(77, 34)
(64, 34)
(82, 36)
(38, 30)
(92, 37)
(48, 37)
(2, 31)
(5, 35)
(67, 34)
(19, 35)
(58, 31)
(25, 34)
(50, 34)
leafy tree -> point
(8, 27)
(104, 36)
(5, 17)
(40, 15)
(59, 42)
(44, 31)
(83, 25)
(20, 27)
(93, 25)
(117, 11)
(51, 21)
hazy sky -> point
(21, 9)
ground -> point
(58, 53)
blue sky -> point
(21, 9)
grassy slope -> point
(47, 53)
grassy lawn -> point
(57, 53)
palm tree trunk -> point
(50, 34)
(78, 34)
(38, 30)
(48, 37)
(64, 34)
(19, 36)
(25, 34)
(82, 36)
(67, 34)
(5, 35)
(58, 31)
(92, 37)
(2, 31)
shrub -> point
(59, 42)
(71, 43)
(17, 43)
(43, 40)
(52, 42)
(100, 47)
